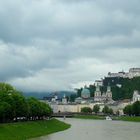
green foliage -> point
(128, 110)
(95, 117)
(73, 97)
(86, 110)
(13, 105)
(27, 130)
(96, 108)
(133, 109)
(107, 110)
(130, 118)
(118, 93)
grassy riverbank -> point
(26, 130)
(95, 117)
(127, 118)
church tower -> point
(97, 94)
(64, 99)
(109, 93)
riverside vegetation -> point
(30, 129)
(14, 108)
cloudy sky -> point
(49, 45)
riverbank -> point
(128, 118)
(97, 117)
(26, 130)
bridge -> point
(60, 115)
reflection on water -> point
(97, 130)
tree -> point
(107, 110)
(96, 108)
(110, 111)
(73, 97)
(136, 108)
(5, 111)
(86, 110)
(128, 110)
(14, 105)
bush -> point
(86, 110)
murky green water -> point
(97, 130)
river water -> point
(97, 130)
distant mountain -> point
(41, 95)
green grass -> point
(122, 118)
(127, 118)
(89, 117)
(26, 130)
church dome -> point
(85, 93)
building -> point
(64, 99)
(108, 93)
(97, 94)
(85, 94)
(74, 108)
(136, 96)
(103, 97)
(133, 72)
(119, 74)
(99, 82)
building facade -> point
(102, 97)
(136, 96)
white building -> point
(102, 97)
(133, 72)
(64, 99)
(119, 74)
(75, 108)
(136, 96)
(97, 94)
(99, 82)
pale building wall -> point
(73, 108)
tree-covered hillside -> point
(122, 89)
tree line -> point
(132, 110)
(106, 110)
(14, 106)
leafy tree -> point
(110, 111)
(136, 108)
(86, 110)
(96, 108)
(107, 110)
(14, 105)
(5, 111)
(73, 97)
(128, 110)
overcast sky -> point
(50, 45)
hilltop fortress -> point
(133, 72)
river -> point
(97, 130)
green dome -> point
(85, 93)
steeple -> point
(97, 94)
(109, 93)
(108, 89)
(97, 88)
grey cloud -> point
(21, 22)
(58, 43)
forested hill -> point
(122, 89)
(127, 89)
